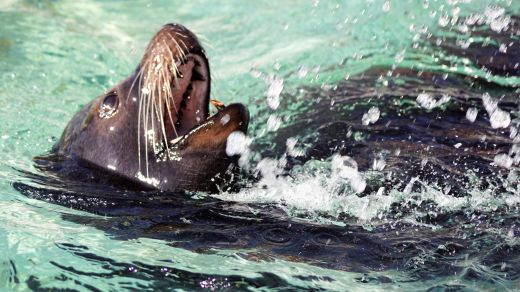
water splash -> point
(427, 101)
(497, 117)
(371, 116)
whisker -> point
(137, 76)
(149, 119)
(170, 96)
(180, 34)
(174, 72)
(158, 81)
(185, 46)
(140, 115)
(139, 111)
(180, 51)
(159, 110)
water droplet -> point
(273, 123)
(425, 100)
(386, 6)
(302, 72)
(273, 92)
(471, 114)
(444, 20)
(379, 163)
(497, 117)
(371, 116)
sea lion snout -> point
(234, 117)
(214, 133)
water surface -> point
(298, 66)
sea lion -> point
(154, 129)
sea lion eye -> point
(108, 107)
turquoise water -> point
(55, 56)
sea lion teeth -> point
(174, 141)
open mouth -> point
(190, 103)
(174, 78)
(191, 99)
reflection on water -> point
(383, 148)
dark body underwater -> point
(418, 145)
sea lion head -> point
(154, 128)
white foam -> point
(292, 150)
(503, 160)
(238, 144)
(331, 188)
